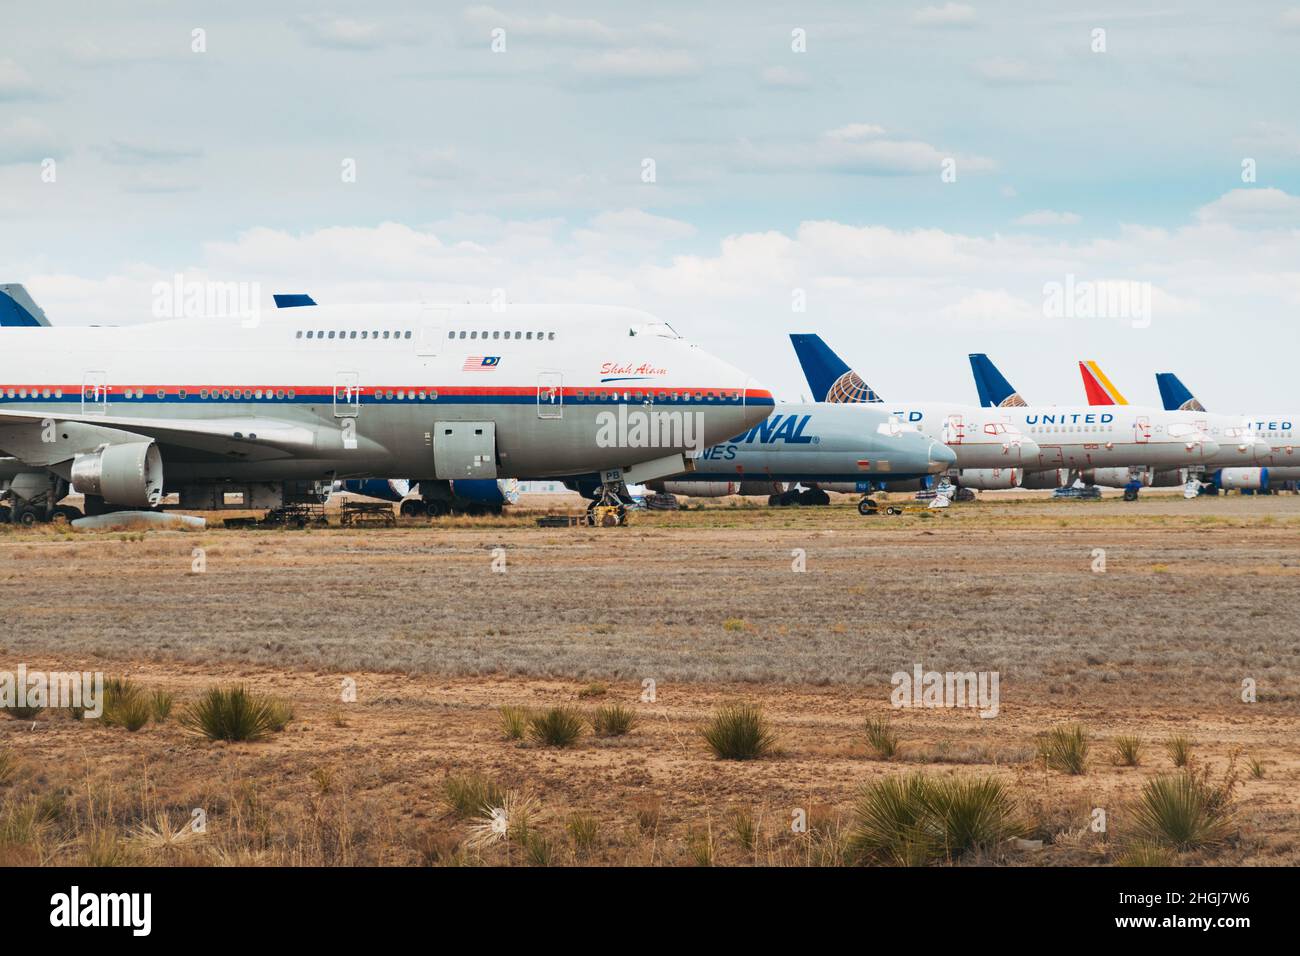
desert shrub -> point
(739, 732)
(1179, 749)
(1183, 812)
(916, 819)
(881, 737)
(556, 727)
(596, 689)
(745, 828)
(514, 722)
(160, 705)
(234, 714)
(1145, 854)
(467, 796)
(613, 720)
(125, 705)
(583, 830)
(1065, 749)
(1128, 751)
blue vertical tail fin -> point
(1175, 396)
(17, 308)
(830, 379)
(994, 390)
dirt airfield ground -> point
(1195, 598)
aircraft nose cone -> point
(757, 402)
(941, 458)
(1026, 450)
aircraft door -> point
(428, 339)
(347, 395)
(1142, 430)
(954, 430)
(550, 395)
(464, 450)
(94, 393)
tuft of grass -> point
(1256, 769)
(234, 714)
(915, 820)
(1183, 812)
(514, 722)
(613, 720)
(8, 766)
(882, 738)
(538, 849)
(739, 732)
(595, 689)
(745, 828)
(735, 624)
(700, 847)
(1128, 751)
(467, 796)
(583, 830)
(280, 712)
(1145, 854)
(647, 813)
(160, 705)
(556, 727)
(1065, 748)
(125, 705)
(1179, 749)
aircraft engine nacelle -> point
(1051, 479)
(1241, 479)
(989, 479)
(1116, 477)
(762, 488)
(488, 491)
(128, 474)
(699, 489)
(385, 489)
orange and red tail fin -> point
(1099, 389)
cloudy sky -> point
(913, 176)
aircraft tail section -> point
(830, 379)
(18, 309)
(1175, 396)
(994, 390)
(1099, 389)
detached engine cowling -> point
(989, 479)
(1052, 478)
(1242, 479)
(129, 474)
(1116, 477)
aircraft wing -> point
(249, 438)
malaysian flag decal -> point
(480, 363)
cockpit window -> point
(658, 329)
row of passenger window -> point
(352, 334)
(498, 334)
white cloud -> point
(1048, 217)
(1005, 71)
(575, 30)
(948, 15)
(346, 33)
(635, 63)
(15, 82)
(784, 78)
(858, 148)
(1264, 207)
(25, 140)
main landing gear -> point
(609, 508)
